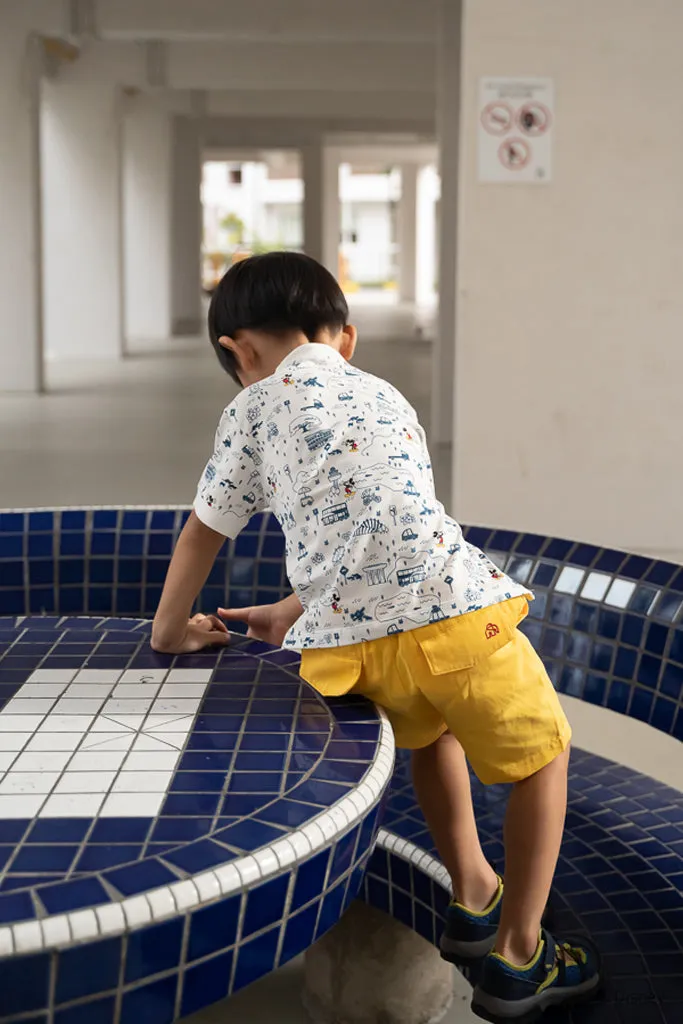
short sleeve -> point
(230, 491)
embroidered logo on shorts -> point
(492, 630)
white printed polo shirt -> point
(338, 456)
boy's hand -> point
(202, 631)
(268, 622)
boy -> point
(391, 602)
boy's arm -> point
(194, 555)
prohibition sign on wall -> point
(515, 154)
(497, 118)
(515, 129)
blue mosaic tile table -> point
(171, 829)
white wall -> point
(569, 358)
(81, 176)
(20, 279)
(146, 220)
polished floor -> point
(139, 431)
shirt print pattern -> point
(340, 459)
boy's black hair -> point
(278, 293)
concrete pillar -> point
(82, 238)
(146, 220)
(370, 967)
(20, 209)
(449, 63)
(426, 244)
(407, 234)
(186, 226)
(322, 209)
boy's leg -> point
(533, 833)
(442, 786)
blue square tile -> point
(299, 933)
(13, 574)
(214, 928)
(13, 830)
(265, 905)
(99, 858)
(134, 519)
(71, 544)
(250, 835)
(288, 813)
(625, 663)
(97, 1011)
(402, 908)
(44, 858)
(43, 520)
(595, 689)
(180, 830)
(16, 907)
(160, 544)
(24, 984)
(201, 855)
(153, 950)
(608, 624)
(73, 519)
(87, 970)
(206, 983)
(331, 909)
(529, 544)
(73, 895)
(163, 519)
(649, 670)
(544, 575)
(310, 879)
(602, 655)
(135, 878)
(103, 544)
(120, 830)
(344, 854)
(12, 602)
(153, 1004)
(478, 535)
(672, 681)
(256, 958)
(12, 522)
(191, 804)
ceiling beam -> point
(357, 21)
(336, 67)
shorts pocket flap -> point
(331, 672)
(458, 644)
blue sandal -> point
(560, 974)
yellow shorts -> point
(476, 675)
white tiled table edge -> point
(64, 930)
(416, 856)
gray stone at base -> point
(370, 969)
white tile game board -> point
(95, 742)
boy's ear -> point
(243, 351)
(348, 342)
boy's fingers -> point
(236, 614)
(217, 624)
(217, 639)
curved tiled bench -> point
(610, 628)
